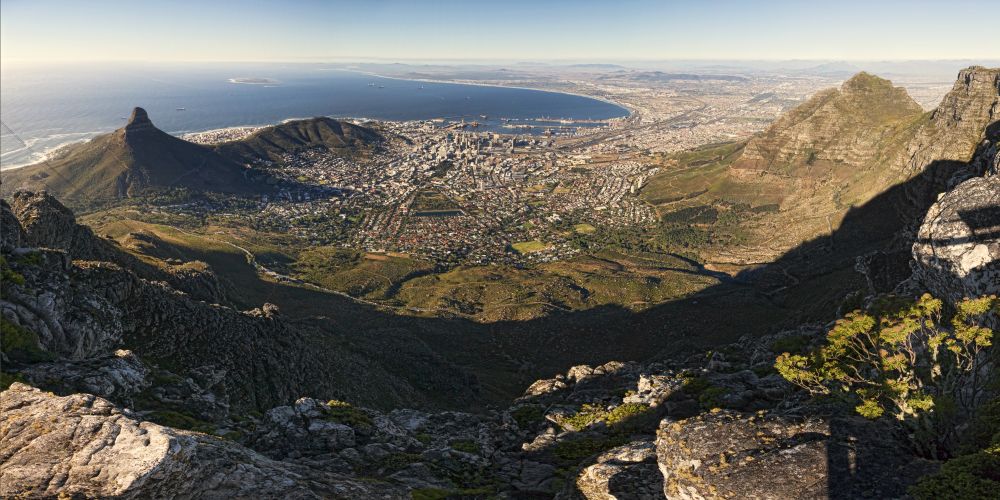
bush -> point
(21, 344)
(8, 275)
(574, 450)
(465, 445)
(443, 494)
(590, 414)
(344, 413)
(179, 420)
(900, 359)
(528, 415)
(790, 344)
(969, 477)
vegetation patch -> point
(574, 450)
(344, 413)
(447, 494)
(526, 247)
(8, 275)
(790, 344)
(528, 415)
(170, 418)
(21, 344)
(902, 359)
(465, 445)
(590, 414)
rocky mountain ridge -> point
(140, 159)
(844, 147)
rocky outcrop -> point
(731, 455)
(623, 473)
(84, 446)
(957, 251)
(11, 233)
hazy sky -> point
(607, 30)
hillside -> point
(807, 172)
(290, 137)
(128, 162)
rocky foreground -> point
(719, 425)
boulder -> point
(83, 446)
(733, 455)
(624, 473)
(957, 251)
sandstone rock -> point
(82, 445)
(626, 472)
(957, 252)
(732, 455)
(119, 377)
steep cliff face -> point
(844, 148)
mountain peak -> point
(865, 81)
(138, 120)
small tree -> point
(898, 359)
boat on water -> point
(181, 109)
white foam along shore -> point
(629, 111)
(240, 131)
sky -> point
(472, 30)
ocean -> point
(45, 107)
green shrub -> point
(899, 359)
(6, 379)
(443, 494)
(171, 418)
(969, 477)
(8, 275)
(712, 397)
(396, 461)
(21, 344)
(344, 413)
(574, 450)
(29, 259)
(465, 445)
(528, 415)
(790, 344)
(625, 412)
(694, 386)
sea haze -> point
(50, 106)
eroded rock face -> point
(623, 473)
(733, 455)
(11, 233)
(83, 445)
(957, 251)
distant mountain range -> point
(139, 158)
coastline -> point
(48, 153)
(628, 111)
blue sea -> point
(45, 107)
